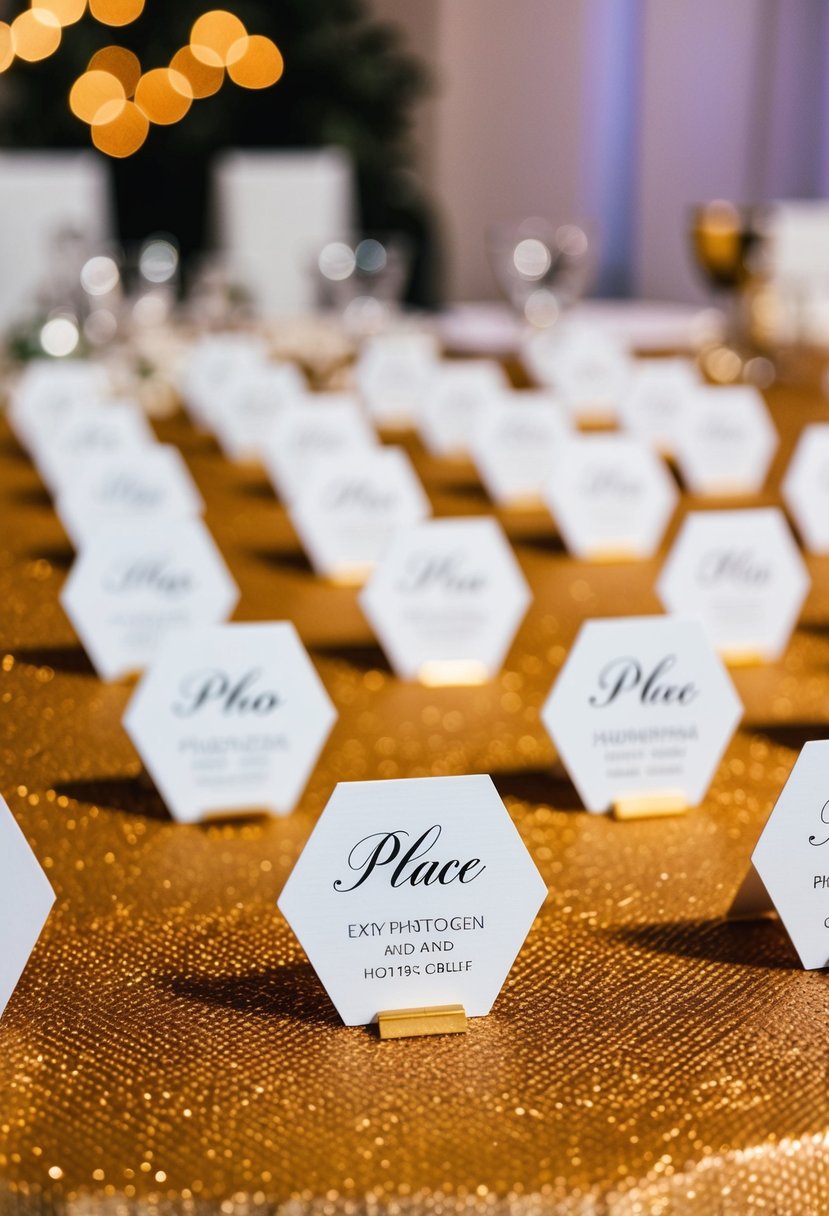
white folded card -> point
(741, 574)
(47, 392)
(805, 487)
(393, 372)
(657, 395)
(136, 582)
(455, 399)
(515, 443)
(150, 483)
(586, 367)
(790, 863)
(211, 366)
(349, 510)
(324, 426)
(105, 430)
(254, 396)
(412, 894)
(725, 441)
(25, 900)
(611, 496)
(230, 719)
(642, 708)
(446, 600)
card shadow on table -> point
(365, 656)
(32, 496)
(283, 559)
(791, 735)
(72, 660)
(545, 786)
(62, 558)
(761, 944)
(129, 795)
(293, 991)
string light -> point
(255, 62)
(164, 95)
(35, 34)
(97, 97)
(214, 35)
(6, 46)
(124, 135)
(204, 80)
(120, 63)
(66, 12)
(116, 12)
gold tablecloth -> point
(169, 1049)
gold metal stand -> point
(411, 1023)
(650, 806)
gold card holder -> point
(742, 658)
(650, 806)
(413, 1023)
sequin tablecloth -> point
(169, 1048)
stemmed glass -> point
(542, 268)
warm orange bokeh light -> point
(124, 134)
(213, 36)
(116, 12)
(67, 12)
(6, 46)
(97, 97)
(255, 62)
(164, 96)
(36, 34)
(203, 79)
(120, 63)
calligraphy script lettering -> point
(732, 566)
(150, 574)
(627, 675)
(442, 572)
(824, 819)
(607, 481)
(383, 849)
(125, 489)
(360, 496)
(228, 695)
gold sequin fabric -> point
(169, 1048)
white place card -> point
(47, 392)
(726, 441)
(790, 863)
(150, 483)
(244, 417)
(805, 487)
(230, 719)
(323, 427)
(105, 430)
(658, 394)
(25, 901)
(587, 368)
(741, 574)
(135, 583)
(455, 400)
(611, 497)
(348, 512)
(393, 372)
(515, 444)
(212, 365)
(412, 894)
(643, 708)
(446, 600)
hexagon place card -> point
(411, 894)
(642, 711)
(230, 719)
(25, 900)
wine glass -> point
(542, 268)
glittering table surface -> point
(169, 1047)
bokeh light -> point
(204, 79)
(116, 12)
(35, 34)
(59, 337)
(66, 12)
(164, 96)
(124, 135)
(120, 63)
(100, 275)
(255, 62)
(6, 46)
(214, 35)
(158, 261)
(97, 97)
